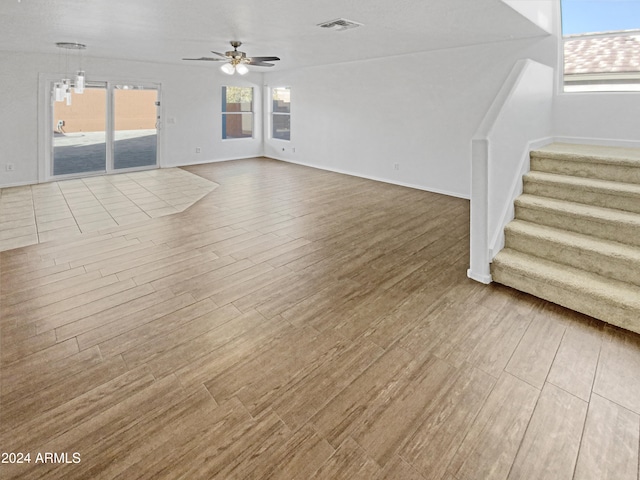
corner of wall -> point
(539, 12)
(519, 119)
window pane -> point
(237, 116)
(237, 125)
(80, 137)
(282, 100)
(237, 99)
(601, 41)
(282, 127)
(134, 133)
(598, 16)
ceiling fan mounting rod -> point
(234, 54)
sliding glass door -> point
(80, 133)
(107, 128)
(134, 133)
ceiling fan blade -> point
(253, 60)
(238, 57)
(208, 59)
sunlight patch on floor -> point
(52, 211)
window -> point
(237, 112)
(281, 113)
(601, 45)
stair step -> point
(576, 237)
(609, 300)
(590, 161)
(614, 155)
(601, 193)
(605, 223)
(604, 257)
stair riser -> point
(623, 233)
(621, 269)
(602, 171)
(578, 195)
(608, 312)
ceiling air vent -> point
(340, 24)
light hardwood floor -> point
(300, 324)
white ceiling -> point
(165, 31)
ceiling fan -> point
(237, 61)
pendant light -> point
(79, 82)
(62, 90)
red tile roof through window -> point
(613, 52)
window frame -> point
(273, 114)
(224, 112)
(591, 83)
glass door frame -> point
(46, 101)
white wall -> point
(606, 118)
(540, 12)
(526, 116)
(190, 95)
(418, 110)
(520, 116)
(18, 120)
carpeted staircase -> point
(575, 240)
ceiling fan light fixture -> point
(228, 69)
(237, 61)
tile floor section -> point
(52, 211)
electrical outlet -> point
(197, 149)
(396, 166)
(10, 167)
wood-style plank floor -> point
(301, 324)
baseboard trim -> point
(17, 184)
(374, 178)
(486, 279)
(607, 142)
